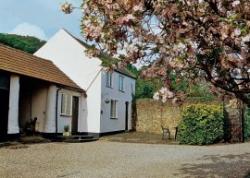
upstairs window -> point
(66, 104)
(109, 79)
(121, 83)
(113, 109)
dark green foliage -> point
(200, 92)
(197, 91)
(201, 124)
(178, 84)
(107, 61)
(25, 43)
(247, 124)
(133, 70)
(146, 88)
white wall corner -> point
(50, 119)
(13, 123)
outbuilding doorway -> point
(75, 112)
(4, 103)
(126, 115)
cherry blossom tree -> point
(191, 39)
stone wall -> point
(149, 118)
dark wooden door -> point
(4, 104)
(126, 115)
(75, 111)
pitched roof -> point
(102, 56)
(22, 63)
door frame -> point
(75, 114)
(126, 115)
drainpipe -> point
(57, 96)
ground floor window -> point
(66, 104)
(113, 110)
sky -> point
(39, 18)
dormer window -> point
(109, 79)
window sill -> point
(114, 118)
(65, 115)
(122, 91)
(109, 87)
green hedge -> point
(247, 124)
(201, 124)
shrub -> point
(201, 124)
(66, 128)
(247, 124)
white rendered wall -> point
(108, 124)
(85, 111)
(33, 105)
(39, 107)
(43, 104)
(43, 107)
(50, 119)
(67, 120)
(13, 123)
(69, 55)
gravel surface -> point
(103, 159)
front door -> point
(75, 111)
(4, 104)
(126, 115)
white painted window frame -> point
(109, 79)
(121, 83)
(66, 104)
(113, 109)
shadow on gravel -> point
(248, 175)
(218, 166)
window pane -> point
(69, 105)
(121, 81)
(113, 109)
(63, 104)
(115, 114)
(109, 79)
(66, 104)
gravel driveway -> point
(104, 159)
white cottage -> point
(108, 106)
(32, 87)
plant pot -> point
(66, 134)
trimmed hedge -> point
(201, 124)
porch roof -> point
(19, 62)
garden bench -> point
(165, 133)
